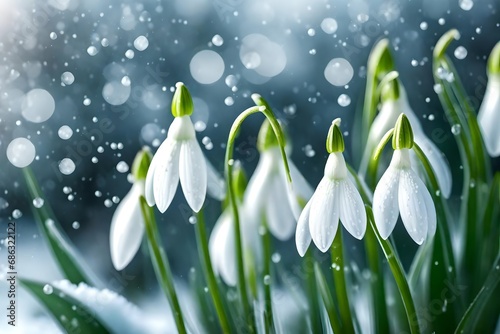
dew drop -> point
(329, 25)
(53, 35)
(466, 4)
(38, 202)
(141, 43)
(67, 166)
(47, 289)
(460, 52)
(122, 167)
(456, 129)
(217, 40)
(92, 51)
(67, 78)
(344, 100)
(192, 220)
(229, 101)
(16, 214)
(21, 152)
(75, 225)
(267, 280)
(65, 132)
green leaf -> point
(477, 307)
(65, 253)
(71, 315)
(326, 295)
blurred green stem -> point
(161, 265)
(314, 311)
(327, 300)
(266, 279)
(201, 240)
(337, 266)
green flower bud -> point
(494, 60)
(259, 101)
(141, 164)
(403, 134)
(335, 140)
(390, 87)
(239, 181)
(182, 103)
(266, 138)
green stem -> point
(161, 265)
(228, 163)
(340, 284)
(314, 311)
(201, 240)
(399, 275)
(374, 160)
(327, 300)
(266, 279)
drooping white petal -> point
(438, 162)
(162, 151)
(216, 186)
(166, 175)
(279, 215)
(352, 209)
(412, 205)
(222, 248)
(127, 228)
(193, 174)
(302, 234)
(325, 213)
(300, 185)
(385, 202)
(489, 116)
(257, 188)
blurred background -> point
(88, 83)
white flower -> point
(400, 190)
(180, 157)
(335, 198)
(268, 195)
(127, 228)
(222, 245)
(489, 116)
(385, 120)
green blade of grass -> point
(71, 315)
(65, 253)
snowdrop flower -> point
(180, 157)
(222, 243)
(489, 113)
(127, 224)
(267, 187)
(335, 198)
(400, 190)
(395, 102)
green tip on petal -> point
(141, 164)
(390, 87)
(335, 140)
(266, 138)
(494, 60)
(444, 42)
(380, 61)
(182, 103)
(403, 134)
(239, 180)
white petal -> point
(438, 162)
(352, 209)
(222, 248)
(412, 205)
(160, 153)
(302, 235)
(385, 202)
(127, 229)
(216, 187)
(324, 214)
(257, 188)
(166, 175)
(300, 185)
(489, 116)
(279, 215)
(193, 174)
